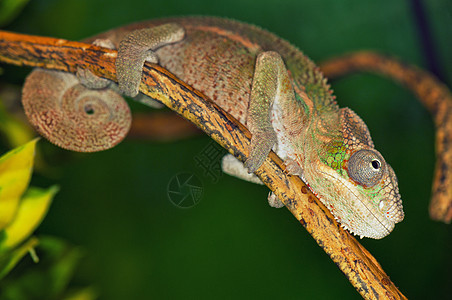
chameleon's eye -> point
(366, 167)
(376, 164)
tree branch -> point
(164, 126)
(359, 266)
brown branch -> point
(355, 261)
(433, 94)
(161, 127)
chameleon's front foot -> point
(261, 144)
(139, 47)
(271, 84)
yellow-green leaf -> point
(48, 279)
(87, 293)
(32, 210)
(15, 172)
(15, 130)
(9, 259)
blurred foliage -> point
(32, 209)
(9, 9)
(49, 278)
(139, 245)
(15, 131)
(21, 211)
(15, 172)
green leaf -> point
(32, 210)
(9, 259)
(47, 279)
(88, 293)
(15, 172)
(9, 9)
(15, 130)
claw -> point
(274, 201)
(91, 81)
(291, 167)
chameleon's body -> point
(272, 88)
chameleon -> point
(260, 79)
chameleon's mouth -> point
(354, 210)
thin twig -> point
(359, 266)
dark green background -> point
(232, 245)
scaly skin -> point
(282, 97)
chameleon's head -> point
(362, 190)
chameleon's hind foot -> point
(87, 78)
(232, 166)
(139, 47)
(274, 201)
(91, 81)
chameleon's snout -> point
(394, 210)
(375, 209)
(390, 207)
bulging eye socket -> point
(366, 167)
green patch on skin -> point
(335, 155)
